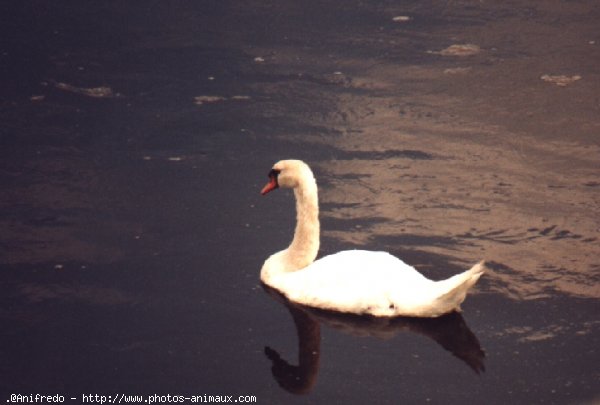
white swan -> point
(353, 281)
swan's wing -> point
(356, 281)
(367, 265)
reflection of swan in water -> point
(352, 281)
(299, 379)
(449, 331)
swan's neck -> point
(305, 245)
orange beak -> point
(271, 185)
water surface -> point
(135, 139)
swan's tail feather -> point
(454, 290)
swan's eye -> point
(274, 173)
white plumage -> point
(352, 281)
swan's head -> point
(287, 174)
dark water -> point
(135, 138)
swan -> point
(353, 281)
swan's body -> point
(353, 281)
